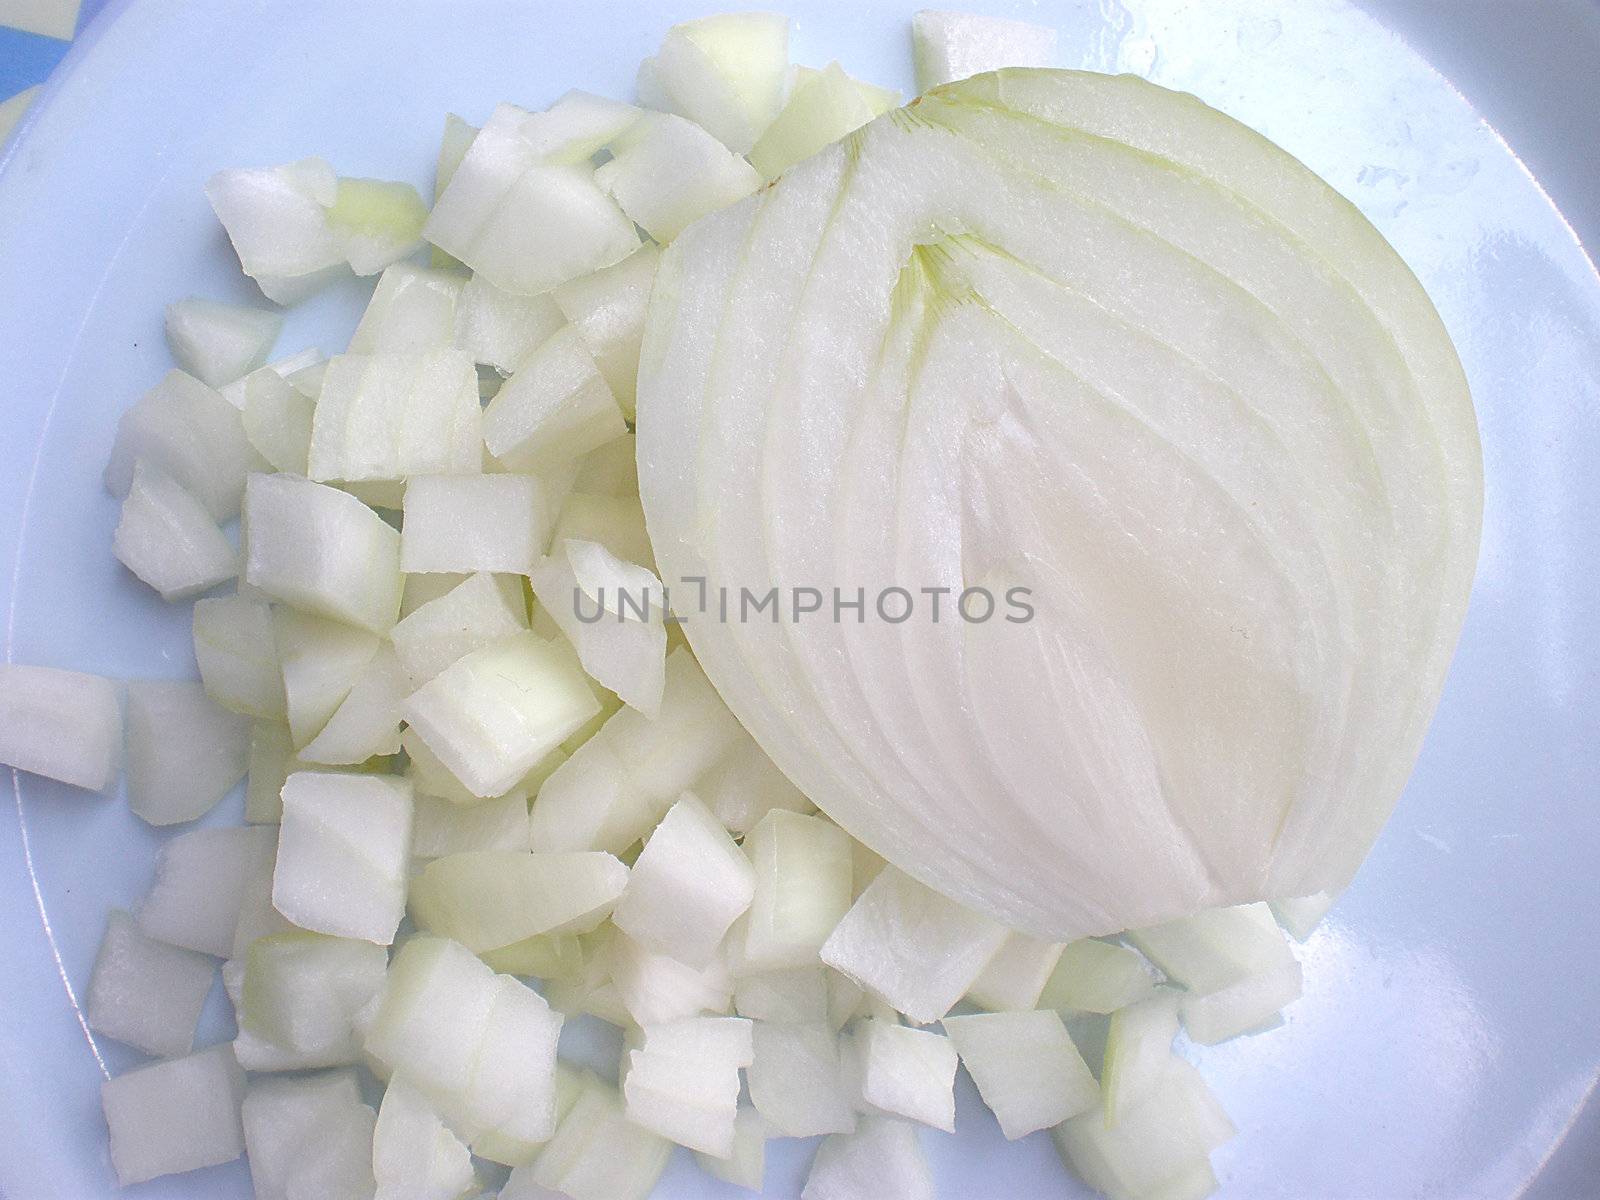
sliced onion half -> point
(1090, 338)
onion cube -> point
(342, 853)
(468, 523)
(302, 992)
(277, 219)
(1164, 1138)
(881, 1160)
(384, 417)
(1212, 949)
(185, 752)
(906, 1072)
(167, 538)
(309, 1136)
(432, 1014)
(1241, 1007)
(726, 73)
(667, 172)
(321, 550)
(320, 661)
(277, 419)
(687, 887)
(917, 949)
(1097, 977)
(619, 784)
(415, 1156)
(1015, 977)
(200, 883)
(596, 1154)
(489, 899)
(746, 1166)
(955, 45)
(60, 724)
(555, 407)
(176, 1115)
(654, 988)
(492, 715)
(1027, 1068)
(500, 329)
(797, 1080)
(376, 222)
(802, 889)
(412, 310)
(474, 613)
(146, 993)
(217, 342)
(525, 224)
(237, 651)
(367, 722)
(607, 309)
(512, 1089)
(190, 433)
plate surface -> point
(1447, 1039)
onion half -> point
(1089, 338)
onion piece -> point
(176, 1115)
(189, 432)
(667, 172)
(523, 223)
(342, 849)
(321, 550)
(301, 993)
(415, 1156)
(489, 899)
(60, 724)
(412, 310)
(724, 72)
(947, 46)
(277, 420)
(1026, 1067)
(916, 949)
(167, 538)
(1250, 1004)
(1097, 977)
(463, 524)
(1016, 976)
(146, 993)
(882, 1160)
(184, 753)
(797, 1080)
(687, 887)
(277, 220)
(596, 1154)
(905, 1072)
(823, 106)
(320, 661)
(376, 222)
(500, 329)
(495, 713)
(218, 342)
(1159, 1142)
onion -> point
(145, 993)
(905, 1072)
(61, 724)
(175, 1115)
(217, 342)
(1042, 330)
(1026, 1067)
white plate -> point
(1449, 1034)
